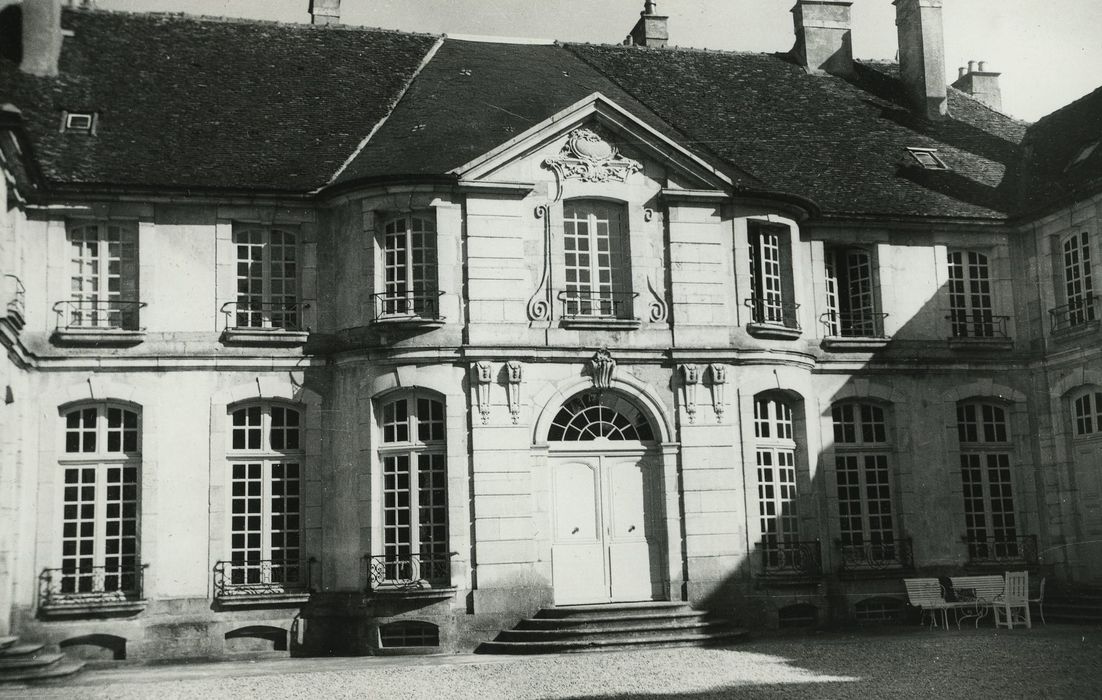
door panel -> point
(630, 515)
(577, 553)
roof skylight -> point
(927, 158)
(79, 122)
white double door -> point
(607, 528)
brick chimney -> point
(41, 37)
(981, 84)
(651, 29)
(325, 11)
(922, 55)
(823, 43)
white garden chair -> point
(1013, 604)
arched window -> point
(991, 527)
(970, 309)
(409, 268)
(775, 450)
(1088, 414)
(866, 517)
(267, 278)
(265, 462)
(595, 244)
(101, 463)
(413, 455)
(592, 415)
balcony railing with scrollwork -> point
(854, 324)
(256, 578)
(791, 558)
(876, 556)
(596, 304)
(409, 571)
(977, 324)
(251, 315)
(79, 586)
(98, 314)
(398, 306)
(1076, 314)
(773, 312)
(999, 550)
(16, 295)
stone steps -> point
(614, 626)
(30, 661)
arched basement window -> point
(592, 414)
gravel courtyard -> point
(1053, 661)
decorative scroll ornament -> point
(483, 372)
(659, 310)
(590, 158)
(513, 373)
(602, 366)
(690, 379)
(719, 380)
(539, 306)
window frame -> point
(844, 320)
(969, 280)
(1086, 425)
(284, 314)
(993, 439)
(772, 300)
(614, 300)
(780, 445)
(108, 309)
(1075, 254)
(421, 296)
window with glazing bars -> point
(101, 464)
(990, 519)
(970, 310)
(771, 274)
(409, 268)
(851, 294)
(103, 263)
(415, 505)
(265, 462)
(1088, 414)
(595, 245)
(775, 449)
(861, 466)
(1078, 284)
(267, 278)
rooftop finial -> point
(648, 7)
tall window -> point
(776, 466)
(1078, 286)
(851, 294)
(101, 464)
(598, 282)
(970, 312)
(409, 268)
(267, 278)
(866, 519)
(771, 275)
(415, 505)
(1088, 414)
(103, 267)
(990, 519)
(265, 462)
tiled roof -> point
(1052, 144)
(195, 103)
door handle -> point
(631, 529)
(574, 531)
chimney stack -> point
(922, 55)
(41, 37)
(325, 11)
(823, 43)
(651, 29)
(981, 84)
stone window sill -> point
(601, 324)
(97, 336)
(263, 336)
(260, 600)
(409, 322)
(981, 343)
(413, 593)
(98, 608)
(773, 331)
(857, 344)
(1076, 331)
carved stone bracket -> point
(719, 381)
(601, 366)
(659, 310)
(690, 380)
(483, 376)
(539, 305)
(589, 157)
(513, 373)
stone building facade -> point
(470, 329)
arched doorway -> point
(606, 488)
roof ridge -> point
(1069, 105)
(685, 49)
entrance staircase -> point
(1074, 602)
(32, 662)
(613, 626)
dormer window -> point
(927, 158)
(79, 122)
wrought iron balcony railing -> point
(596, 304)
(773, 312)
(16, 296)
(425, 306)
(854, 324)
(408, 571)
(998, 550)
(977, 324)
(98, 314)
(264, 577)
(1076, 314)
(875, 556)
(249, 315)
(791, 558)
(77, 585)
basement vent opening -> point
(79, 122)
(409, 634)
(927, 158)
(879, 611)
